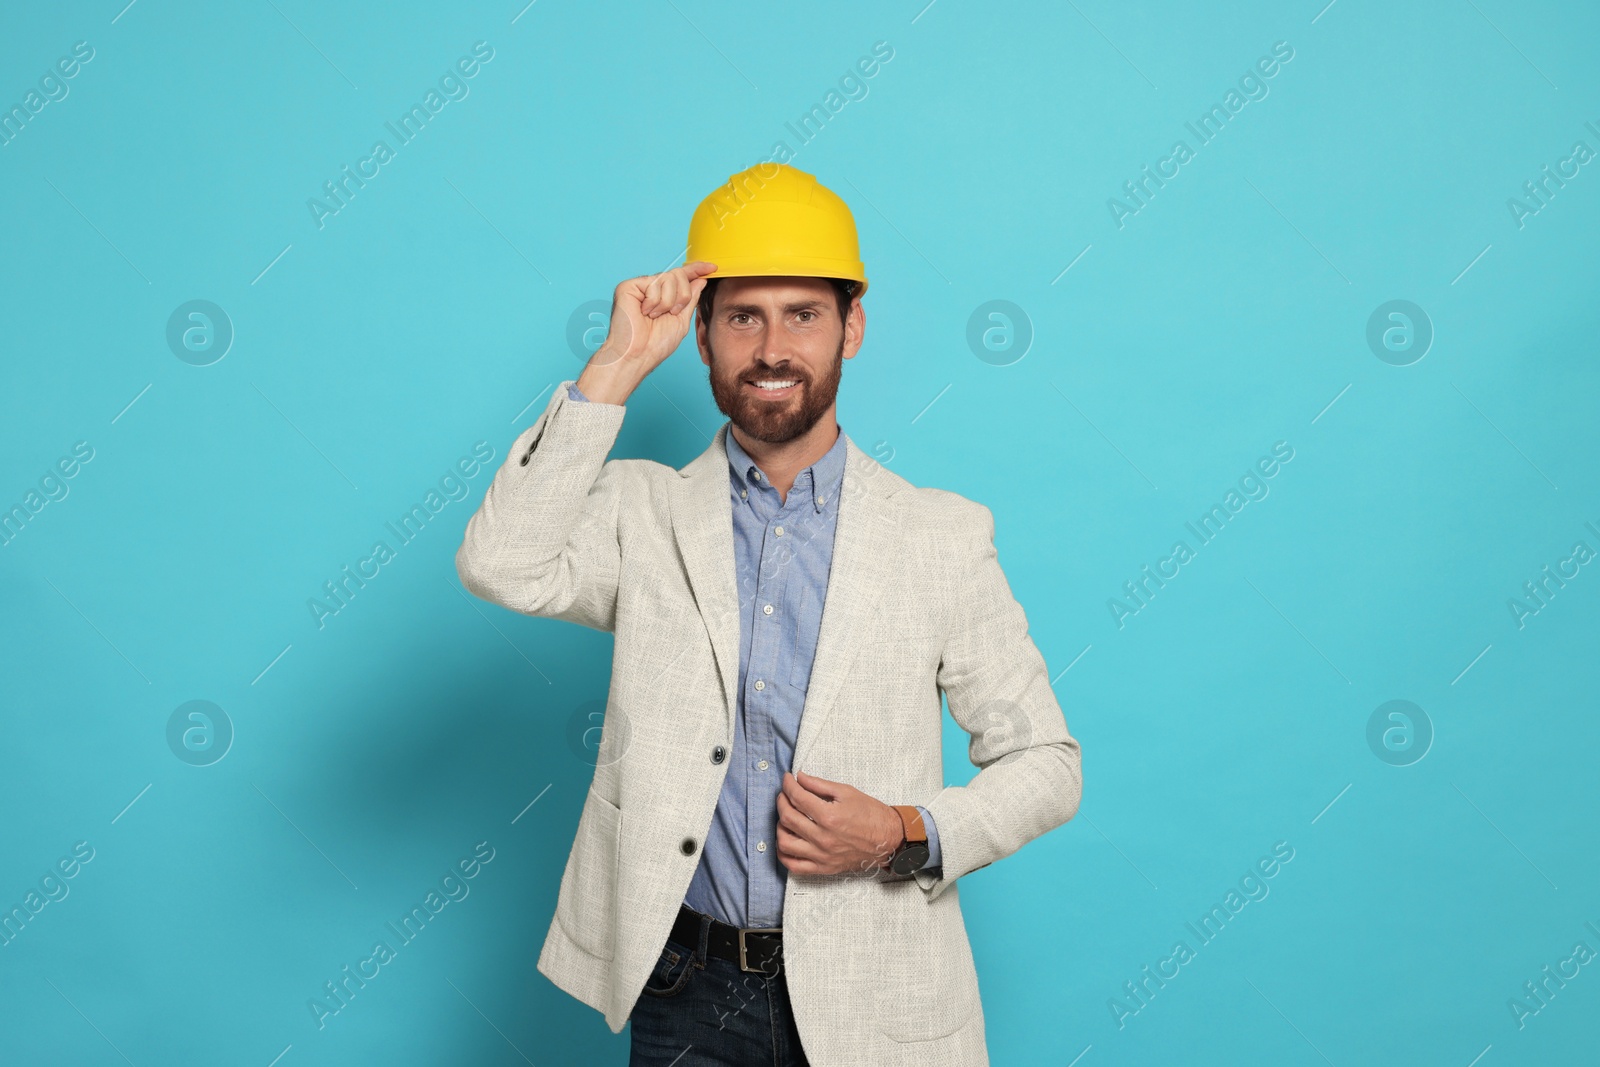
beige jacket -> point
(879, 968)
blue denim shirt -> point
(783, 550)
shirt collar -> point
(823, 477)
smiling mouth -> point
(776, 388)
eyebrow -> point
(755, 309)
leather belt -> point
(755, 948)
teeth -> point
(773, 385)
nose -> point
(774, 362)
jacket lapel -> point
(863, 553)
(702, 525)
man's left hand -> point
(829, 827)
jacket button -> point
(688, 846)
(718, 754)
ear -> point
(702, 338)
(855, 329)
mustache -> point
(776, 373)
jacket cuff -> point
(933, 838)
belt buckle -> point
(743, 959)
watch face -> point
(909, 859)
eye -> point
(813, 314)
(737, 315)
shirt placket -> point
(766, 690)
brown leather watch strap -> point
(916, 831)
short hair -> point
(844, 290)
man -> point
(766, 861)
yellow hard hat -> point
(772, 219)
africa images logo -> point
(339, 592)
(1206, 128)
(452, 86)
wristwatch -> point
(913, 850)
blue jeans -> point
(698, 1010)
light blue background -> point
(432, 312)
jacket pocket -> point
(586, 906)
(928, 986)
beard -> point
(776, 421)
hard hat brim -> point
(759, 267)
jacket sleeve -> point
(544, 540)
(1030, 776)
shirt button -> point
(766, 609)
(779, 531)
(822, 500)
(718, 754)
(762, 765)
(688, 846)
(760, 684)
(757, 476)
(761, 846)
(744, 494)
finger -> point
(699, 268)
(652, 296)
(820, 786)
(808, 804)
(794, 865)
(663, 301)
(689, 302)
(687, 289)
(671, 291)
(792, 846)
(628, 294)
(794, 822)
(791, 818)
(821, 811)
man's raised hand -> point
(650, 315)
